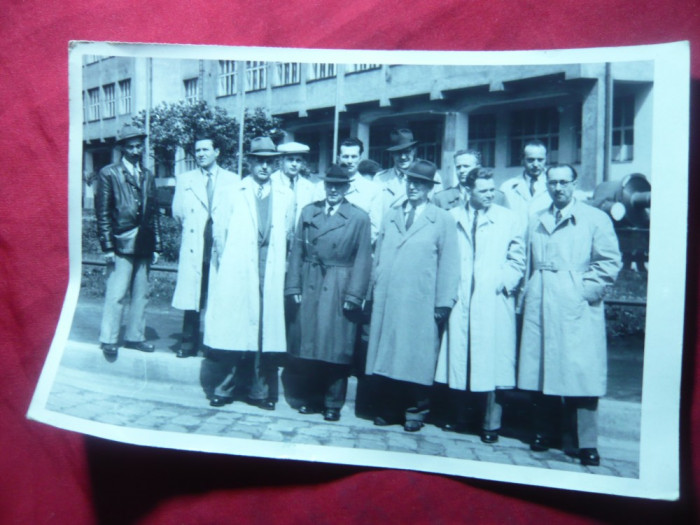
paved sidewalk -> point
(170, 397)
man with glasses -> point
(129, 234)
(574, 258)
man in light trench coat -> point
(328, 275)
(478, 348)
(574, 257)
(416, 273)
(198, 194)
(244, 321)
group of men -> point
(472, 287)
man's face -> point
(404, 158)
(482, 194)
(561, 186)
(349, 158)
(463, 165)
(291, 165)
(261, 168)
(534, 160)
(205, 153)
(335, 191)
(133, 150)
(417, 190)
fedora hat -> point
(130, 132)
(368, 167)
(336, 174)
(293, 148)
(262, 147)
(422, 169)
(401, 139)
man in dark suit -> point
(328, 275)
(129, 233)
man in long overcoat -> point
(328, 274)
(574, 257)
(198, 194)
(244, 321)
(416, 275)
(478, 347)
(129, 232)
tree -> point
(176, 125)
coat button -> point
(191, 230)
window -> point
(93, 96)
(125, 96)
(319, 71)
(110, 101)
(288, 73)
(256, 75)
(534, 124)
(623, 129)
(354, 68)
(227, 78)
(482, 138)
(191, 90)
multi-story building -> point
(597, 117)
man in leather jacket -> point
(129, 234)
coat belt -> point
(558, 267)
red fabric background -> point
(52, 476)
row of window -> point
(283, 74)
(108, 101)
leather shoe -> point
(489, 436)
(459, 428)
(384, 422)
(265, 404)
(308, 409)
(109, 349)
(219, 401)
(331, 414)
(589, 457)
(183, 352)
(412, 425)
(539, 444)
(141, 346)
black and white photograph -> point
(470, 264)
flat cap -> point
(289, 148)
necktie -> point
(210, 189)
(291, 183)
(533, 180)
(411, 215)
(557, 216)
(474, 224)
(260, 190)
(329, 211)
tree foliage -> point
(176, 125)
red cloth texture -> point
(54, 476)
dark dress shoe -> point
(412, 426)
(489, 436)
(331, 414)
(141, 346)
(459, 428)
(539, 444)
(589, 457)
(384, 422)
(308, 409)
(183, 352)
(219, 401)
(109, 349)
(265, 404)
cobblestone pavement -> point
(166, 407)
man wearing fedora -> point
(415, 279)
(328, 275)
(305, 189)
(244, 322)
(393, 180)
(129, 234)
(198, 193)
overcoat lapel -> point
(427, 217)
(323, 225)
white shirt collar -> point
(134, 171)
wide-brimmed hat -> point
(421, 169)
(130, 132)
(293, 148)
(401, 139)
(262, 147)
(336, 174)
(368, 167)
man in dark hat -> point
(393, 180)
(129, 233)
(415, 286)
(244, 322)
(328, 275)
